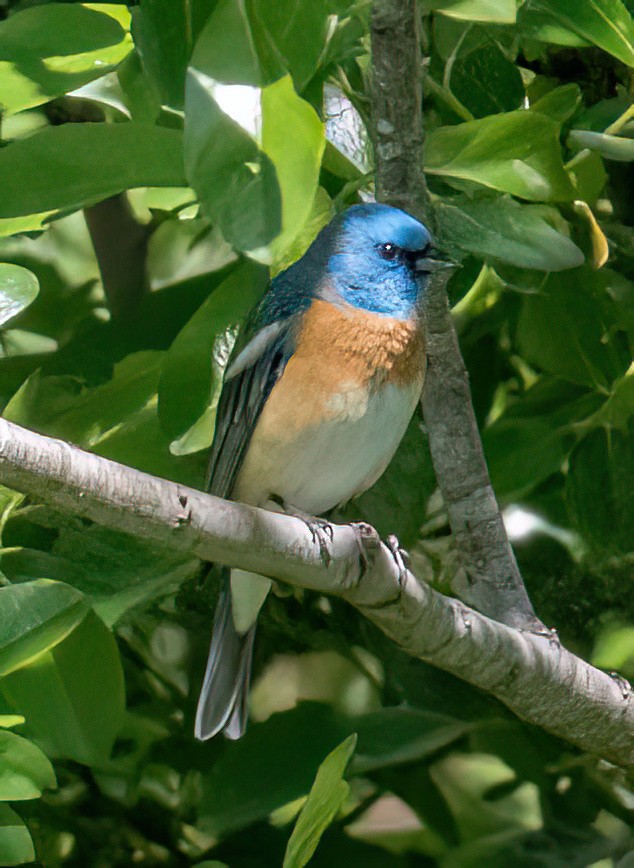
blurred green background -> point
(199, 147)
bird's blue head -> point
(379, 259)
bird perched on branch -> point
(317, 395)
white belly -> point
(327, 464)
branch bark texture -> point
(489, 579)
(533, 675)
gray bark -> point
(533, 675)
(489, 579)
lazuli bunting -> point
(317, 395)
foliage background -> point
(212, 115)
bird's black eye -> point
(388, 251)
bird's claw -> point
(322, 534)
(400, 556)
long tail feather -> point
(222, 706)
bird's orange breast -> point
(343, 352)
(345, 343)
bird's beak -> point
(429, 264)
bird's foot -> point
(400, 556)
(320, 530)
(322, 534)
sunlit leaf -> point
(18, 288)
(327, 794)
(493, 11)
(191, 374)
(24, 769)
(48, 50)
(502, 229)
(35, 617)
(73, 694)
(517, 152)
(605, 23)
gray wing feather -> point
(222, 706)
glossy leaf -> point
(517, 153)
(492, 11)
(16, 845)
(617, 148)
(24, 769)
(35, 617)
(49, 50)
(502, 229)
(77, 164)
(18, 289)
(253, 157)
(191, 356)
(73, 694)
(561, 103)
(605, 23)
(256, 43)
(325, 799)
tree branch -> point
(120, 244)
(533, 675)
(490, 578)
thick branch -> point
(532, 674)
(490, 578)
(120, 244)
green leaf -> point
(164, 34)
(255, 43)
(118, 572)
(561, 103)
(275, 761)
(617, 148)
(604, 462)
(272, 765)
(615, 649)
(25, 770)
(580, 347)
(18, 288)
(293, 138)
(517, 152)
(50, 50)
(35, 617)
(485, 81)
(493, 11)
(191, 373)
(533, 437)
(394, 736)
(253, 156)
(54, 406)
(617, 411)
(16, 846)
(73, 694)
(504, 230)
(73, 165)
(605, 23)
(9, 720)
(325, 799)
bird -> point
(317, 394)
